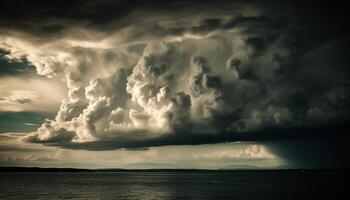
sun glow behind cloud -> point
(217, 156)
(30, 94)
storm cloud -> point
(147, 74)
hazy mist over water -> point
(174, 185)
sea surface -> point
(238, 185)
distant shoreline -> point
(39, 169)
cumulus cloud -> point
(213, 77)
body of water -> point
(247, 185)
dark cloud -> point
(23, 100)
(21, 67)
(324, 153)
(274, 137)
(4, 148)
(153, 73)
(52, 19)
(46, 18)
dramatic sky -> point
(174, 84)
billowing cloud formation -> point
(176, 78)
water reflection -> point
(167, 186)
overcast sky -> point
(174, 84)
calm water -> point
(173, 185)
